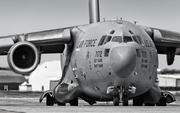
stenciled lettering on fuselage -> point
(144, 60)
(98, 61)
(87, 43)
(148, 43)
(144, 56)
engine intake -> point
(23, 57)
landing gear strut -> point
(120, 94)
(123, 98)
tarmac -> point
(89, 109)
(28, 102)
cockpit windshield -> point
(108, 38)
(117, 39)
(127, 39)
(105, 39)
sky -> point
(24, 16)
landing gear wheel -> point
(162, 102)
(115, 101)
(61, 104)
(125, 100)
(74, 102)
(138, 102)
(149, 104)
(49, 100)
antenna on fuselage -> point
(135, 22)
(94, 11)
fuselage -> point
(111, 53)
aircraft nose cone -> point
(123, 61)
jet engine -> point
(23, 57)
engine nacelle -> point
(23, 57)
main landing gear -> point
(166, 97)
(50, 100)
(120, 94)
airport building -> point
(45, 76)
(10, 80)
(169, 80)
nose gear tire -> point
(115, 101)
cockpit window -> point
(117, 39)
(102, 40)
(127, 39)
(108, 38)
(138, 40)
(131, 32)
(112, 32)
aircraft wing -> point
(24, 50)
(50, 41)
(166, 42)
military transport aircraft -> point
(112, 60)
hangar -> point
(44, 75)
(10, 80)
(169, 80)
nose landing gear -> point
(120, 94)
